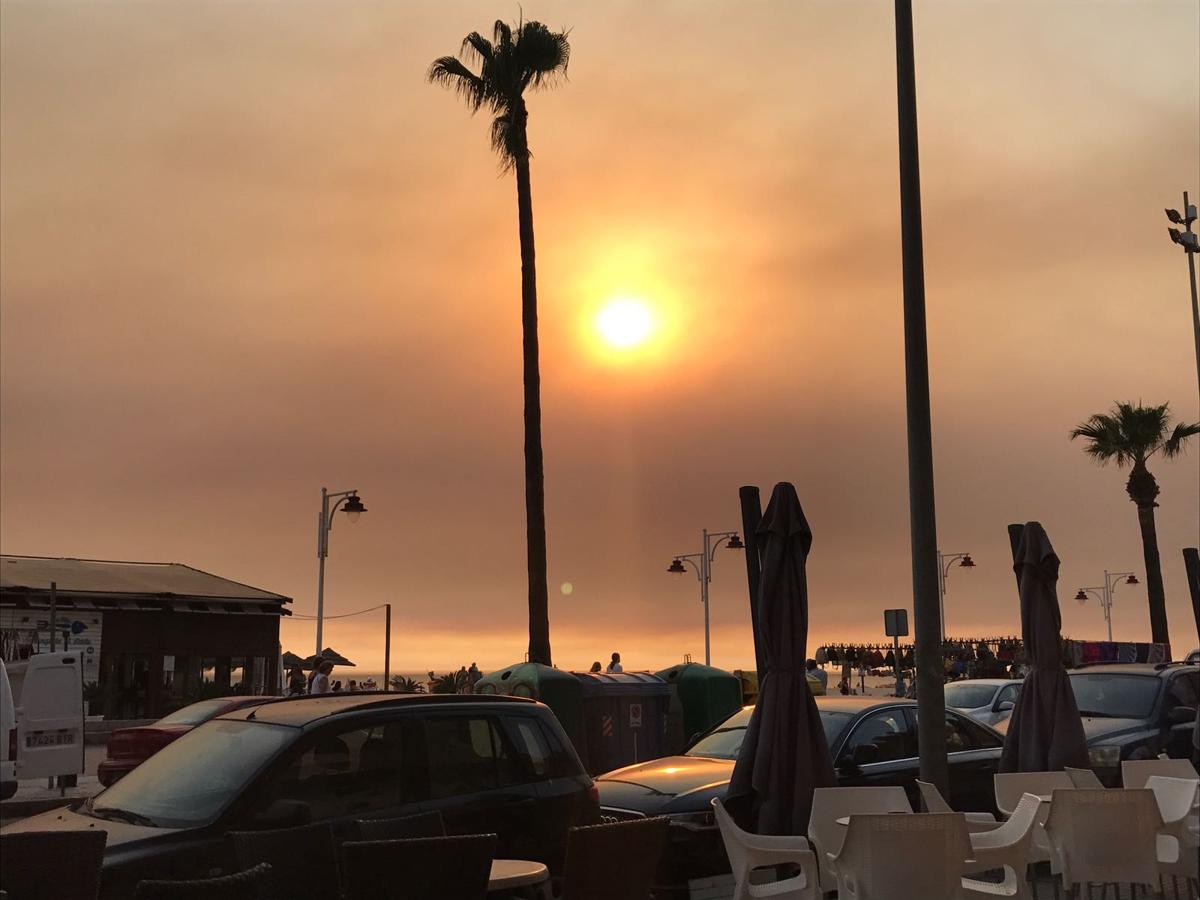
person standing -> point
(318, 661)
(818, 673)
(614, 666)
(596, 668)
(473, 676)
(296, 682)
(320, 683)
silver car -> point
(987, 700)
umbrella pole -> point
(931, 696)
(751, 516)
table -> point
(844, 821)
(507, 874)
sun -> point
(625, 322)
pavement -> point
(33, 796)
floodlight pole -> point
(931, 697)
(324, 526)
(1191, 246)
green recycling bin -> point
(559, 690)
(701, 697)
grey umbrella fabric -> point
(1045, 732)
(784, 756)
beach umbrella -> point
(331, 655)
(1045, 732)
(291, 660)
(784, 755)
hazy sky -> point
(247, 251)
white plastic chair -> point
(935, 802)
(1179, 840)
(914, 857)
(1084, 778)
(748, 852)
(1011, 786)
(1134, 772)
(1104, 836)
(1007, 847)
(830, 804)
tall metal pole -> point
(704, 576)
(1108, 594)
(387, 647)
(931, 698)
(1191, 258)
(53, 616)
(322, 551)
(941, 595)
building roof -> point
(139, 583)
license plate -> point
(49, 738)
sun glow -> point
(625, 322)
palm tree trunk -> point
(535, 491)
(1143, 489)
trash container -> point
(701, 697)
(624, 719)
(559, 690)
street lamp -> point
(1190, 243)
(1105, 594)
(352, 505)
(945, 561)
(702, 563)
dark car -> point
(500, 764)
(873, 742)
(1136, 711)
(129, 747)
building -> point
(154, 636)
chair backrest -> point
(934, 801)
(830, 804)
(1105, 835)
(252, 884)
(449, 868)
(1021, 826)
(1084, 778)
(1176, 797)
(422, 825)
(303, 860)
(1010, 786)
(615, 861)
(911, 857)
(64, 865)
(1134, 772)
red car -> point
(128, 747)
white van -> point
(41, 718)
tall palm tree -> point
(1129, 435)
(529, 57)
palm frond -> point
(449, 72)
(505, 140)
(475, 46)
(502, 34)
(544, 55)
(1174, 445)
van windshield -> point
(190, 781)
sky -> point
(246, 251)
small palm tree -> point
(445, 684)
(1129, 435)
(401, 684)
(529, 57)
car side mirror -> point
(282, 814)
(1005, 706)
(1181, 715)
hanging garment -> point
(1142, 649)
(1108, 651)
(1159, 653)
(890, 660)
(1091, 652)
(1126, 652)
(821, 656)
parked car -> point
(129, 747)
(873, 741)
(1193, 658)
(987, 700)
(495, 764)
(1136, 711)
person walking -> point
(614, 667)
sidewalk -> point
(33, 797)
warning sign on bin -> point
(635, 715)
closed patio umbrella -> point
(1045, 732)
(784, 756)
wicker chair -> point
(64, 865)
(448, 868)
(252, 884)
(422, 825)
(615, 861)
(304, 860)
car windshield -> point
(725, 741)
(965, 695)
(190, 781)
(195, 713)
(1115, 696)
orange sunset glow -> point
(247, 254)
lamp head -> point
(1173, 215)
(1175, 234)
(967, 562)
(735, 543)
(1081, 597)
(676, 567)
(1132, 579)
(353, 508)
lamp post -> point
(945, 561)
(1191, 246)
(350, 503)
(1105, 594)
(702, 563)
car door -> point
(880, 751)
(972, 755)
(475, 778)
(1182, 691)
